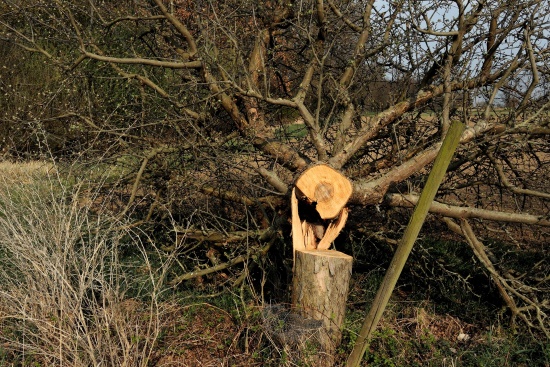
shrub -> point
(64, 289)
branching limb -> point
(236, 260)
(339, 14)
(273, 179)
(290, 158)
(31, 45)
(497, 88)
(311, 122)
(221, 238)
(479, 250)
(384, 118)
(360, 46)
(534, 70)
(535, 119)
(453, 211)
(345, 124)
(285, 154)
(240, 198)
(154, 86)
(429, 29)
(314, 131)
(150, 155)
(373, 191)
(506, 182)
(507, 286)
(133, 19)
(141, 61)
(180, 27)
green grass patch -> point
(445, 311)
(292, 131)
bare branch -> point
(408, 201)
(133, 19)
(339, 14)
(273, 180)
(506, 182)
(182, 29)
(507, 286)
(230, 263)
(479, 250)
(430, 31)
(360, 46)
(534, 70)
(141, 61)
(240, 198)
(384, 118)
(221, 238)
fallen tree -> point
(214, 109)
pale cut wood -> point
(326, 187)
(309, 237)
(333, 230)
(319, 291)
(297, 234)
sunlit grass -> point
(24, 172)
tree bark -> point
(320, 291)
(459, 212)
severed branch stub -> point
(321, 276)
(325, 187)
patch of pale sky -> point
(442, 16)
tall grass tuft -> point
(66, 296)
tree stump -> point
(320, 290)
(321, 276)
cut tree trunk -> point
(321, 276)
(324, 187)
(323, 191)
(320, 289)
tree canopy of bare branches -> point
(216, 102)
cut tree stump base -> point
(320, 290)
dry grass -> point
(66, 297)
(25, 172)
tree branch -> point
(408, 201)
(373, 191)
(360, 46)
(479, 250)
(274, 180)
(236, 260)
(384, 118)
(133, 19)
(240, 198)
(221, 238)
(534, 71)
(504, 285)
(506, 182)
(180, 27)
(339, 14)
(141, 61)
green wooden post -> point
(441, 163)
